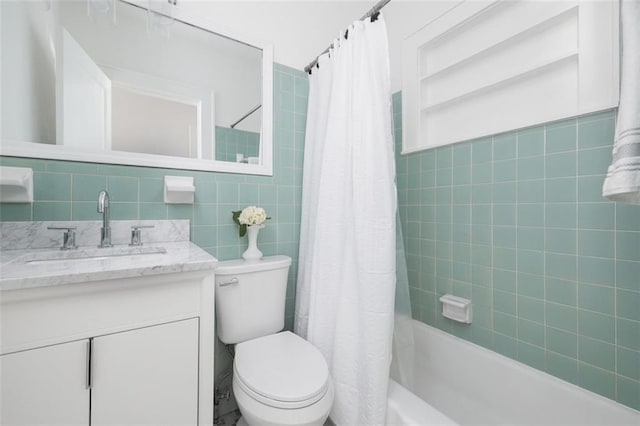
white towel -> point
(623, 177)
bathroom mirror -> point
(133, 82)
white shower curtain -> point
(346, 278)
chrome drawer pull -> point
(233, 281)
(89, 382)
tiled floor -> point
(230, 418)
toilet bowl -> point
(282, 379)
(278, 377)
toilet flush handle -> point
(233, 281)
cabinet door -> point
(147, 376)
(45, 386)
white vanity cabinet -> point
(146, 376)
(111, 352)
(45, 386)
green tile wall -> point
(516, 223)
(230, 142)
(68, 190)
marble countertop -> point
(32, 268)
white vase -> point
(252, 252)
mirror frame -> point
(13, 148)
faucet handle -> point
(136, 234)
(68, 238)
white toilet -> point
(278, 377)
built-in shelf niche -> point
(488, 67)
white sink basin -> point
(31, 268)
(88, 255)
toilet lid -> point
(281, 370)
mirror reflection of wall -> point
(28, 72)
(200, 82)
(236, 145)
(150, 124)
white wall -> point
(300, 30)
(28, 85)
(141, 123)
(404, 18)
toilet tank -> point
(250, 297)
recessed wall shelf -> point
(512, 39)
(504, 82)
(486, 67)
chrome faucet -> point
(105, 231)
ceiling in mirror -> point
(112, 77)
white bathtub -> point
(452, 381)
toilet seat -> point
(281, 370)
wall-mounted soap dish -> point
(16, 185)
(456, 308)
(179, 189)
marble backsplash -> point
(35, 235)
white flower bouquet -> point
(249, 216)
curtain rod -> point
(246, 115)
(375, 9)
